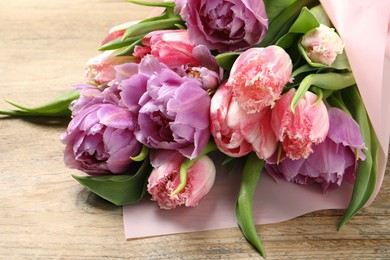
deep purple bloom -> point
(173, 110)
(100, 140)
(225, 25)
(332, 161)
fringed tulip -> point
(332, 161)
(235, 132)
(165, 179)
(299, 130)
(258, 77)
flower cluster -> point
(218, 75)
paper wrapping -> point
(364, 28)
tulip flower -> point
(332, 161)
(165, 179)
(299, 130)
(101, 69)
(236, 132)
(258, 77)
(174, 49)
(225, 26)
(100, 140)
(322, 45)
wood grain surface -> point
(45, 214)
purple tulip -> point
(225, 26)
(332, 161)
(100, 140)
(173, 110)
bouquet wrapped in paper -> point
(183, 111)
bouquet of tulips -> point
(266, 84)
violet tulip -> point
(258, 77)
(100, 140)
(299, 130)
(165, 179)
(225, 26)
(235, 132)
(332, 161)
(322, 45)
(173, 111)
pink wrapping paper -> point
(364, 27)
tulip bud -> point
(165, 179)
(322, 45)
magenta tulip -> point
(225, 25)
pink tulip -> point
(299, 130)
(101, 69)
(165, 179)
(171, 47)
(322, 45)
(235, 132)
(258, 77)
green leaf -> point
(244, 205)
(368, 169)
(55, 108)
(156, 4)
(280, 25)
(275, 7)
(226, 60)
(304, 23)
(152, 25)
(120, 43)
(328, 81)
(119, 189)
(130, 49)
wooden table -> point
(45, 214)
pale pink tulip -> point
(258, 77)
(101, 69)
(322, 45)
(165, 179)
(299, 130)
(236, 132)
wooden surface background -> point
(45, 214)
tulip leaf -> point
(366, 176)
(120, 43)
(226, 60)
(280, 25)
(275, 7)
(304, 23)
(55, 108)
(155, 4)
(130, 49)
(145, 27)
(244, 205)
(328, 81)
(119, 189)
